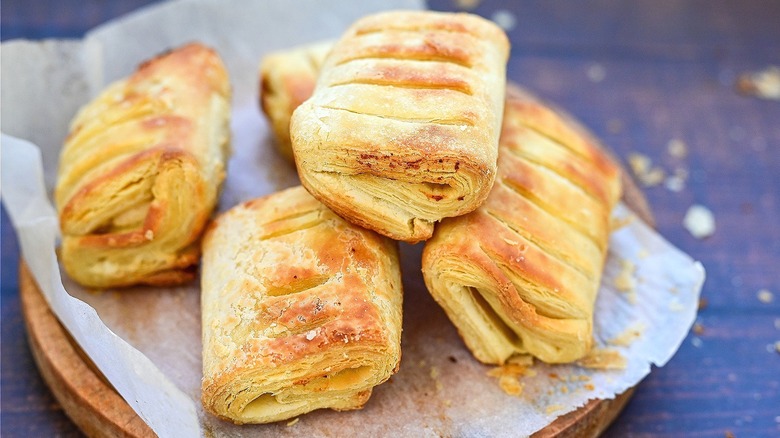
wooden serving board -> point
(99, 411)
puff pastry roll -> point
(402, 129)
(301, 310)
(520, 274)
(141, 170)
(287, 79)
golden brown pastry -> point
(301, 310)
(141, 170)
(402, 129)
(287, 79)
(520, 274)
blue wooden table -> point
(640, 74)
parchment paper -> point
(147, 340)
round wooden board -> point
(98, 410)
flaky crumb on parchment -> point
(603, 359)
(624, 282)
(510, 385)
(629, 335)
(618, 222)
(509, 374)
(553, 408)
(435, 373)
(675, 305)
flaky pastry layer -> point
(301, 310)
(520, 273)
(141, 170)
(402, 129)
(287, 79)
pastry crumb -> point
(676, 181)
(765, 296)
(617, 222)
(677, 148)
(676, 306)
(596, 72)
(467, 5)
(504, 19)
(510, 385)
(674, 184)
(764, 84)
(553, 408)
(629, 335)
(624, 282)
(777, 346)
(698, 328)
(435, 376)
(699, 221)
(702, 304)
(293, 422)
(644, 171)
(509, 374)
(510, 369)
(603, 359)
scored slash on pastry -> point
(301, 310)
(402, 129)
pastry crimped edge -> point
(141, 170)
(292, 292)
(520, 274)
(398, 173)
